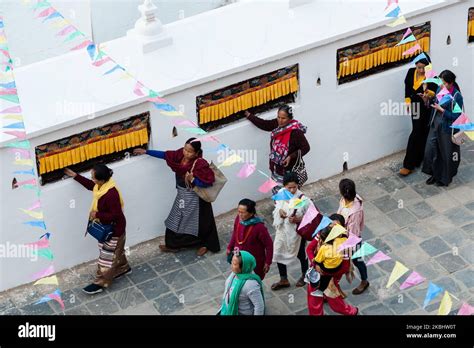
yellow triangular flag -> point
(24, 162)
(400, 20)
(470, 134)
(13, 117)
(398, 270)
(48, 280)
(172, 113)
(294, 202)
(59, 24)
(230, 160)
(429, 67)
(34, 214)
(336, 231)
(445, 305)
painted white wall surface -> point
(340, 119)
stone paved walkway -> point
(432, 234)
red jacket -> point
(259, 243)
(109, 208)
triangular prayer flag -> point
(325, 221)
(41, 244)
(11, 110)
(365, 249)
(48, 280)
(27, 182)
(412, 50)
(8, 85)
(40, 4)
(413, 279)
(466, 309)
(45, 253)
(8, 91)
(44, 273)
(398, 270)
(91, 48)
(33, 214)
(25, 144)
(433, 291)
(11, 98)
(267, 186)
(230, 160)
(309, 216)
(47, 235)
(102, 61)
(195, 130)
(463, 119)
(470, 135)
(457, 109)
(300, 203)
(40, 224)
(13, 117)
(185, 123)
(400, 20)
(282, 195)
(46, 12)
(73, 35)
(336, 231)
(294, 202)
(165, 107)
(67, 30)
(436, 80)
(378, 257)
(35, 205)
(25, 172)
(117, 67)
(408, 39)
(22, 152)
(138, 89)
(24, 162)
(43, 300)
(246, 170)
(171, 113)
(445, 305)
(420, 57)
(351, 242)
(81, 45)
(408, 32)
(430, 74)
(464, 127)
(17, 125)
(394, 13)
(53, 15)
(16, 134)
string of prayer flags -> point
(47, 280)
(267, 186)
(309, 216)
(398, 270)
(445, 305)
(412, 50)
(351, 242)
(378, 257)
(466, 309)
(365, 249)
(325, 221)
(283, 195)
(246, 170)
(336, 231)
(413, 279)
(433, 291)
(44, 273)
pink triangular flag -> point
(442, 93)
(389, 2)
(413, 279)
(430, 74)
(267, 186)
(41, 244)
(16, 134)
(66, 30)
(157, 100)
(27, 182)
(138, 89)
(23, 152)
(408, 32)
(466, 309)
(46, 12)
(8, 91)
(352, 241)
(309, 216)
(378, 257)
(412, 50)
(461, 120)
(81, 45)
(246, 170)
(207, 138)
(35, 205)
(186, 123)
(11, 110)
(44, 273)
(102, 62)
(58, 299)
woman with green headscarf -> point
(243, 294)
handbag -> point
(300, 169)
(209, 194)
(306, 232)
(459, 138)
(100, 231)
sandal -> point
(202, 251)
(283, 283)
(165, 249)
(300, 283)
(361, 288)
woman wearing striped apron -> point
(191, 220)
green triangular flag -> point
(25, 144)
(73, 36)
(11, 98)
(41, 4)
(407, 39)
(8, 68)
(365, 249)
(457, 109)
(46, 253)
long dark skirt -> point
(418, 136)
(207, 233)
(442, 156)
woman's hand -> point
(295, 219)
(317, 268)
(189, 178)
(92, 215)
(286, 161)
(283, 214)
(139, 151)
(266, 268)
(437, 107)
(70, 173)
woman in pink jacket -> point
(350, 207)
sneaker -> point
(128, 271)
(93, 289)
(317, 293)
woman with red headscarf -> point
(191, 220)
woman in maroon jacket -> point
(107, 208)
(287, 140)
(250, 234)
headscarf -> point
(237, 283)
(201, 167)
(280, 140)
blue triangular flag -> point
(1, 25)
(433, 291)
(26, 172)
(325, 221)
(8, 85)
(18, 125)
(43, 299)
(165, 107)
(467, 127)
(445, 99)
(36, 224)
(394, 13)
(283, 195)
(113, 69)
(91, 50)
(47, 235)
(53, 15)
(420, 57)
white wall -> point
(340, 119)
